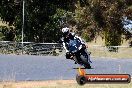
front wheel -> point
(87, 65)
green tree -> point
(39, 24)
(103, 16)
(7, 33)
(108, 16)
(44, 18)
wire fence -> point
(30, 48)
(55, 49)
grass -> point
(99, 51)
(59, 84)
(102, 52)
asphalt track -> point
(24, 67)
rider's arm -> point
(73, 34)
(64, 46)
(80, 39)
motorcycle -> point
(78, 53)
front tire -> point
(87, 65)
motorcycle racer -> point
(71, 42)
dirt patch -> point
(36, 84)
(59, 84)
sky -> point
(127, 24)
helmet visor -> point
(65, 34)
